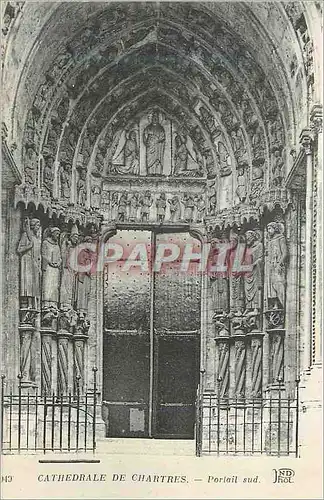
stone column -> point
(80, 338)
(222, 340)
(276, 332)
(67, 319)
(316, 119)
(48, 336)
(239, 366)
(63, 363)
(306, 142)
(256, 348)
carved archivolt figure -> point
(277, 168)
(212, 199)
(224, 160)
(208, 120)
(65, 180)
(242, 184)
(253, 283)
(48, 174)
(51, 265)
(276, 265)
(238, 144)
(68, 274)
(29, 249)
(96, 196)
(81, 187)
(154, 140)
(30, 169)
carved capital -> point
(221, 322)
(316, 119)
(306, 140)
(275, 319)
(49, 318)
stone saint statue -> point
(253, 283)
(29, 249)
(236, 278)
(276, 265)
(84, 279)
(68, 243)
(51, 265)
(154, 140)
(219, 282)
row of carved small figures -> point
(138, 206)
(247, 322)
(63, 319)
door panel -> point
(151, 343)
(126, 349)
(176, 385)
(126, 384)
(177, 291)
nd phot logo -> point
(283, 475)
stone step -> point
(137, 446)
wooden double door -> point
(151, 340)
